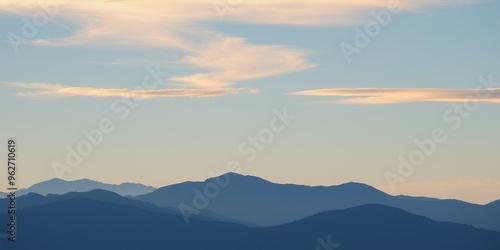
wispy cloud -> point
(322, 12)
(401, 95)
(174, 25)
(53, 90)
(179, 25)
(233, 59)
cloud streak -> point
(403, 95)
(52, 91)
(179, 25)
(174, 26)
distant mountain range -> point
(250, 201)
(259, 202)
(58, 186)
(35, 200)
(102, 220)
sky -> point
(400, 95)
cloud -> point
(401, 95)
(174, 25)
(53, 90)
(181, 26)
(234, 59)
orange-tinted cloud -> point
(401, 95)
(52, 90)
(177, 25)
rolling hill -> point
(81, 223)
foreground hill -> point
(82, 224)
(36, 200)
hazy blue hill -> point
(254, 200)
(81, 223)
(58, 186)
(34, 200)
(380, 227)
(488, 216)
(417, 198)
(494, 203)
(443, 210)
(25, 201)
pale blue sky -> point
(169, 140)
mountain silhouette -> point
(488, 216)
(81, 223)
(254, 200)
(58, 186)
(34, 200)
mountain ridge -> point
(264, 203)
(60, 186)
(82, 224)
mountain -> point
(81, 224)
(488, 216)
(260, 202)
(58, 186)
(254, 200)
(417, 198)
(494, 204)
(34, 200)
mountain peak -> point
(52, 180)
(354, 184)
(358, 186)
(240, 177)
